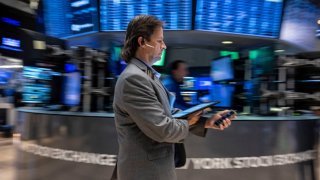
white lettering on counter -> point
(68, 155)
(249, 162)
(191, 163)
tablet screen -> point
(193, 109)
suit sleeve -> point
(143, 106)
(199, 128)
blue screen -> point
(203, 83)
(10, 44)
(115, 15)
(72, 17)
(197, 83)
(222, 69)
(190, 97)
(36, 93)
(222, 93)
(5, 76)
(11, 21)
(189, 83)
(70, 67)
(36, 86)
(258, 17)
(117, 65)
(72, 89)
(37, 73)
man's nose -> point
(164, 46)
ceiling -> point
(201, 39)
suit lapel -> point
(145, 69)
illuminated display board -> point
(257, 18)
(10, 44)
(115, 15)
(65, 18)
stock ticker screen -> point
(116, 14)
(247, 17)
(64, 18)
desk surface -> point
(64, 113)
(111, 115)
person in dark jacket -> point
(178, 69)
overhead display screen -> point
(116, 14)
(65, 18)
(247, 17)
(10, 42)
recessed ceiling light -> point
(227, 42)
(279, 50)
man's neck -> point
(144, 58)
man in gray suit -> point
(146, 129)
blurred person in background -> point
(178, 69)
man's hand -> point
(226, 122)
(194, 117)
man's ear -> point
(141, 41)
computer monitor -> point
(222, 69)
(115, 15)
(188, 83)
(37, 51)
(115, 56)
(36, 87)
(34, 93)
(161, 62)
(69, 18)
(223, 93)
(72, 88)
(261, 18)
(69, 67)
(11, 42)
(234, 55)
(5, 75)
(117, 64)
(197, 83)
(36, 73)
(190, 97)
(203, 83)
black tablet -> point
(187, 112)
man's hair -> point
(142, 25)
(175, 65)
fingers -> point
(198, 113)
(221, 120)
(221, 113)
(194, 117)
(232, 117)
(225, 124)
(207, 110)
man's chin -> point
(156, 59)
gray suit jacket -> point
(146, 129)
